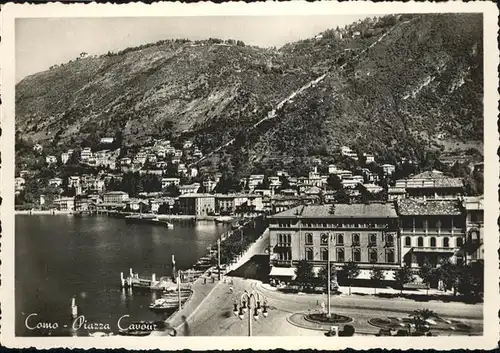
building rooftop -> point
(474, 202)
(411, 207)
(374, 210)
(116, 193)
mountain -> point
(397, 86)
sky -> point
(43, 42)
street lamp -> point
(251, 302)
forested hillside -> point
(397, 86)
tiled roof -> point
(374, 210)
(411, 207)
(429, 175)
(396, 190)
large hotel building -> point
(364, 233)
(426, 219)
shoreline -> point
(42, 212)
(111, 214)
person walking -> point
(185, 326)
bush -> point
(348, 331)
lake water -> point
(60, 257)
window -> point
(309, 254)
(309, 238)
(285, 255)
(324, 254)
(460, 242)
(420, 241)
(389, 256)
(389, 240)
(373, 239)
(356, 255)
(373, 255)
(324, 239)
(355, 239)
(407, 241)
(340, 255)
(340, 239)
(433, 242)
(446, 242)
(289, 239)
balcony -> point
(432, 249)
(283, 246)
(389, 244)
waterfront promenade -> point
(209, 311)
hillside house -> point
(65, 204)
(125, 161)
(57, 182)
(332, 169)
(86, 154)
(347, 151)
(151, 158)
(157, 172)
(115, 197)
(189, 189)
(140, 158)
(181, 169)
(19, 184)
(209, 185)
(431, 230)
(165, 182)
(74, 181)
(188, 144)
(37, 148)
(430, 185)
(197, 153)
(388, 169)
(374, 189)
(370, 158)
(51, 159)
(199, 205)
(473, 250)
(107, 140)
(193, 172)
(176, 160)
(65, 157)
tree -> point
(172, 190)
(228, 184)
(471, 280)
(285, 183)
(304, 272)
(403, 275)
(333, 182)
(377, 275)
(350, 271)
(420, 317)
(428, 274)
(448, 273)
(341, 196)
(323, 275)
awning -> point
(282, 272)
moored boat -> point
(148, 219)
(224, 219)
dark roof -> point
(374, 210)
(411, 207)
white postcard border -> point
(491, 58)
